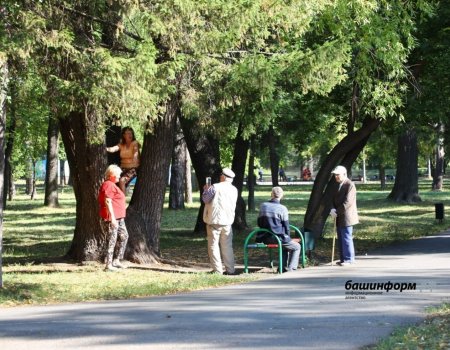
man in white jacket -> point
(220, 204)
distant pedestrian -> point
(282, 174)
(274, 217)
(220, 204)
(346, 215)
(260, 173)
(112, 204)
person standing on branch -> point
(345, 213)
(220, 204)
(112, 211)
(129, 157)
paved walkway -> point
(306, 309)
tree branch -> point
(99, 20)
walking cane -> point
(334, 240)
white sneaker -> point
(111, 268)
(118, 264)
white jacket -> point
(220, 211)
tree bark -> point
(251, 180)
(145, 210)
(51, 174)
(345, 153)
(33, 180)
(205, 156)
(113, 135)
(382, 174)
(406, 186)
(187, 175)
(29, 178)
(9, 187)
(240, 151)
(87, 163)
(438, 174)
(177, 171)
(3, 97)
(273, 155)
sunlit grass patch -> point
(433, 333)
(92, 283)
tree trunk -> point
(51, 175)
(382, 174)
(9, 187)
(205, 157)
(345, 153)
(240, 151)
(177, 171)
(29, 178)
(273, 155)
(406, 186)
(33, 180)
(187, 175)
(87, 164)
(145, 210)
(113, 136)
(3, 98)
(62, 173)
(251, 180)
(438, 174)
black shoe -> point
(288, 269)
(226, 273)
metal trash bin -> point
(439, 211)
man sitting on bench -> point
(274, 216)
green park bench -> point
(248, 244)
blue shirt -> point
(275, 217)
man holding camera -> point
(220, 204)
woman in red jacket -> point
(112, 210)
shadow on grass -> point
(19, 292)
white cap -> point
(339, 170)
(227, 172)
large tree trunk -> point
(345, 153)
(3, 97)
(205, 156)
(273, 155)
(177, 171)
(51, 174)
(438, 174)
(145, 210)
(240, 151)
(406, 186)
(87, 164)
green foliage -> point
(31, 113)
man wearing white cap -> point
(220, 204)
(346, 215)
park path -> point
(306, 309)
